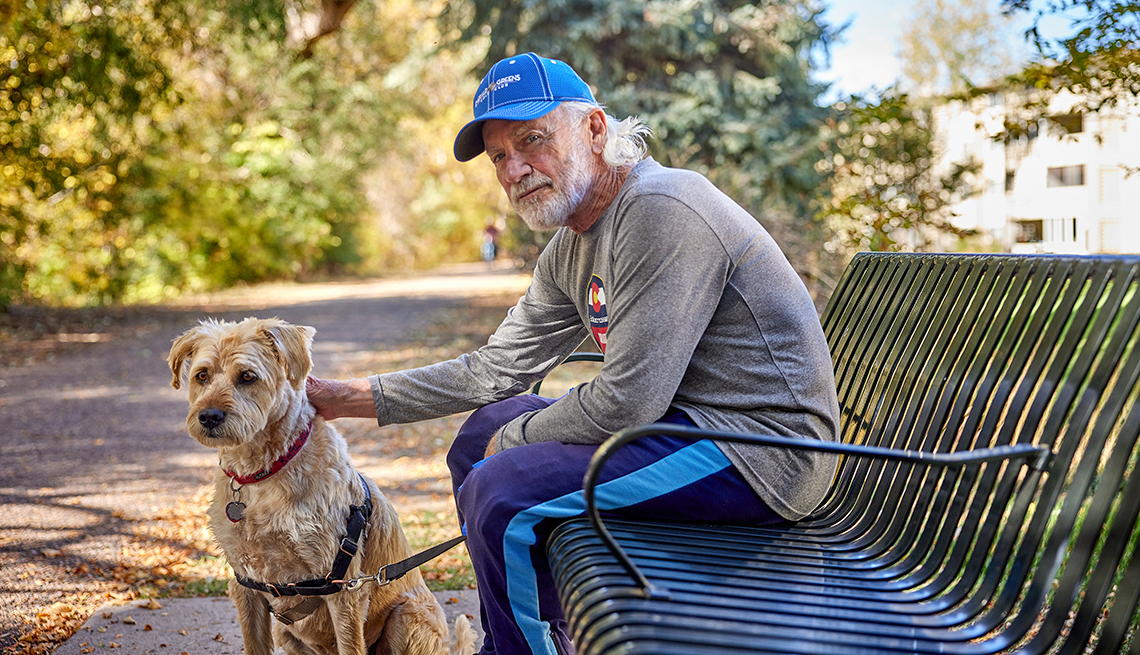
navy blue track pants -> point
(509, 503)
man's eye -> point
(247, 377)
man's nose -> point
(515, 168)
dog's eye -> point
(247, 377)
(202, 376)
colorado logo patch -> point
(596, 311)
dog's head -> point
(240, 376)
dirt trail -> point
(93, 438)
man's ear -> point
(293, 344)
(598, 129)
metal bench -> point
(986, 500)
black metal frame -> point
(574, 357)
(950, 370)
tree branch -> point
(332, 14)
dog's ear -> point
(293, 344)
(182, 350)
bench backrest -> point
(949, 352)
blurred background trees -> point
(950, 46)
(890, 186)
(886, 190)
(157, 148)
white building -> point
(1072, 185)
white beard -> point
(554, 212)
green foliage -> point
(951, 46)
(431, 208)
(1098, 61)
(523, 243)
(74, 79)
(153, 148)
(887, 192)
(138, 170)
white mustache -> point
(528, 184)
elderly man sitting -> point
(702, 321)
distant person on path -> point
(490, 247)
(702, 321)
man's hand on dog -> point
(340, 398)
(351, 398)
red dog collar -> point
(276, 466)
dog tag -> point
(235, 511)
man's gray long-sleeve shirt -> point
(694, 306)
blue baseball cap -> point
(519, 88)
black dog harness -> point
(335, 581)
(331, 583)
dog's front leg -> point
(347, 611)
(253, 617)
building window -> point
(1111, 179)
(1052, 230)
(1065, 176)
(1010, 174)
(1071, 123)
(1029, 231)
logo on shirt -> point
(596, 311)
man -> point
(702, 322)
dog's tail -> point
(464, 643)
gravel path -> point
(93, 438)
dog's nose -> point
(211, 418)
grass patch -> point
(452, 570)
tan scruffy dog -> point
(282, 492)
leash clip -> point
(381, 577)
(381, 580)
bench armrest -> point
(1037, 457)
(574, 357)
